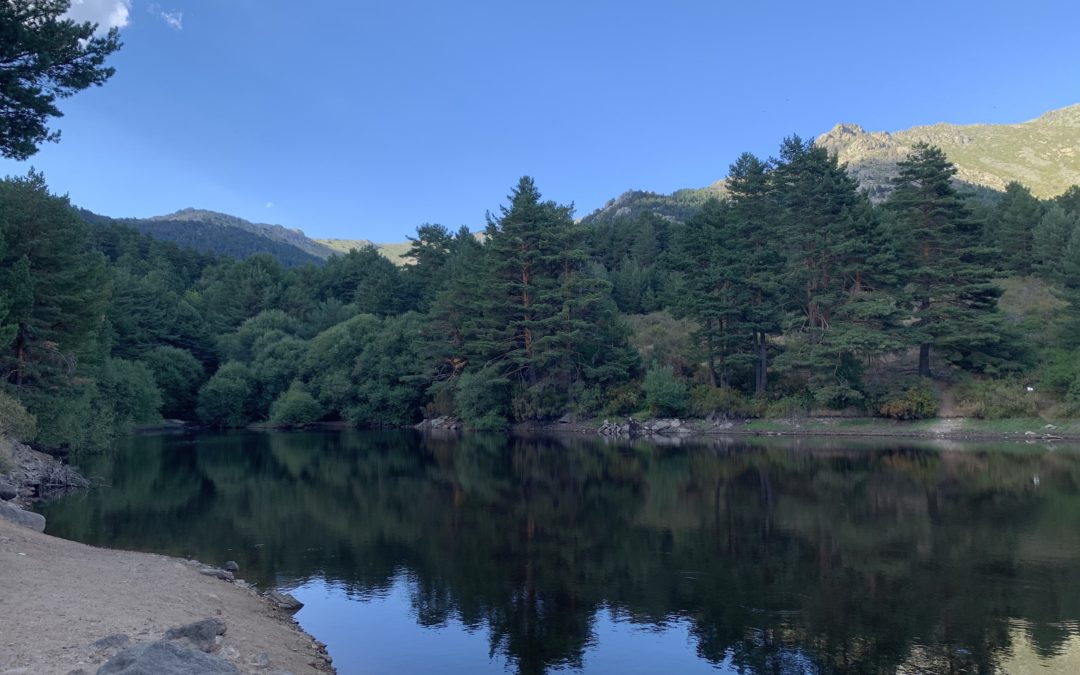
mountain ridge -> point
(1043, 153)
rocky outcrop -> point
(444, 423)
(36, 475)
(633, 429)
(12, 513)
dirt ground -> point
(58, 596)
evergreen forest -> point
(793, 294)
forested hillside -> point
(793, 293)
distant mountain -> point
(212, 232)
(203, 218)
(1043, 153)
(677, 207)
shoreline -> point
(60, 600)
(946, 429)
(67, 607)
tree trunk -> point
(710, 358)
(762, 370)
(924, 359)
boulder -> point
(284, 601)
(231, 566)
(201, 635)
(215, 572)
(166, 658)
(8, 491)
(35, 521)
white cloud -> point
(175, 18)
(105, 13)
(269, 205)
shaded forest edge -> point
(792, 297)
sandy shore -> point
(57, 597)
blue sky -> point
(366, 119)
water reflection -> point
(779, 556)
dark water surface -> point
(488, 554)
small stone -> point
(231, 566)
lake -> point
(494, 554)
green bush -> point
(706, 401)
(80, 421)
(919, 402)
(295, 408)
(15, 420)
(481, 399)
(542, 401)
(623, 400)
(789, 406)
(998, 399)
(665, 394)
(178, 375)
(128, 388)
(224, 401)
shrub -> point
(544, 400)
(80, 421)
(665, 394)
(794, 405)
(178, 375)
(225, 398)
(15, 420)
(481, 399)
(295, 408)
(706, 401)
(128, 388)
(998, 399)
(623, 400)
(919, 402)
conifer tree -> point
(949, 270)
(712, 291)
(550, 324)
(56, 287)
(757, 255)
(1011, 227)
(1049, 240)
(839, 271)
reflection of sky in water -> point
(379, 635)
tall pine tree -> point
(949, 270)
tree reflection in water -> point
(781, 555)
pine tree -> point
(548, 324)
(711, 290)
(1049, 240)
(56, 287)
(949, 269)
(1011, 226)
(757, 253)
(838, 275)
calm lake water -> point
(489, 554)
